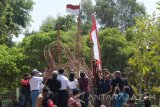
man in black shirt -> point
(54, 85)
(116, 81)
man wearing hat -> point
(35, 86)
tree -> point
(114, 53)
(15, 15)
(118, 13)
(21, 11)
(113, 49)
(5, 22)
(144, 46)
(48, 24)
(87, 9)
(33, 46)
(10, 66)
(64, 22)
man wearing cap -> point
(35, 85)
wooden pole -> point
(58, 46)
(78, 39)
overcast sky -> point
(45, 8)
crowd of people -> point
(55, 90)
(61, 90)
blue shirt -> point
(121, 98)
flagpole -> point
(80, 31)
(93, 68)
(96, 53)
(94, 39)
(79, 37)
(75, 9)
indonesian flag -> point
(94, 40)
(74, 9)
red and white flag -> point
(74, 9)
(94, 40)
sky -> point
(44, 8)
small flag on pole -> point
(94, 40)
(74, 9)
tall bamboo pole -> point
(78, 39)
(58, 46)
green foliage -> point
(118, 13)
(21, 11)
(144, 47)
(135, 90)
(85, 27)
(156, 91)
(114, 54)
(113, 46)
(65, 23)
(48, 24)
(69, 38)
(87, 49)
(10, 66)
(145, 37)
(87, 9)
(33, 47)
(15, 15)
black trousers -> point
(55, 98)
(63, 98)
(24, 100)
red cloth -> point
(50, 103)
(24, 82)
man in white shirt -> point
(63, 91)
(35, 86)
